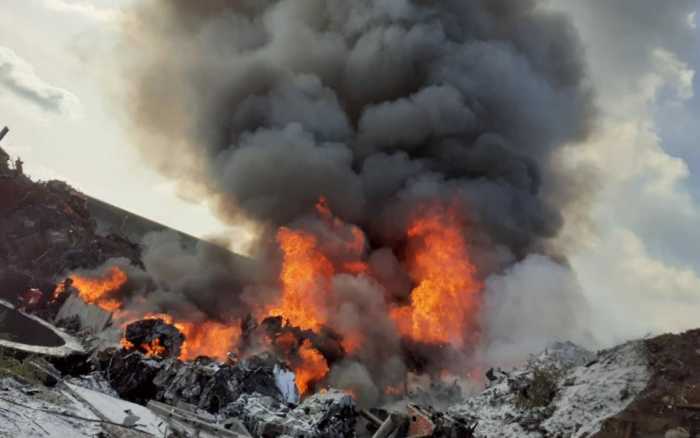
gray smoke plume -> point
(378, 105)
(269, 105)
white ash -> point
(590, 389)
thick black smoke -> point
(378, 105)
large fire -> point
(305, 279)
(445, 301)
(441, 309)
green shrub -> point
(19, 369)
(541, 390)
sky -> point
(637, 258)
(66, 122)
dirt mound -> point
(671, 401)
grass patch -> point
(19, 369)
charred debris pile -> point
(47, 230)
(60, 355)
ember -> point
(154, 348)
(125, 344)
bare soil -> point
(672, 397)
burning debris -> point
(154, 338)
(96, 291)
(261, 374)
(387, 203)
(399, 175)
(299, 328)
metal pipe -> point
(4, 132)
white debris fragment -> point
(24, 415)
(118, 411)
(286, 383)
(592, 394)
(589, 390)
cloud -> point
(633, 292)
(639, 266)
(86, 9)
(18, 78)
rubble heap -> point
(138, 373)
(565, 391)
(322, 415)
(642, 388)
(45, 230)
(670, 404)
(211, 386)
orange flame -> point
(305, 277)
(312, 369)
(208, 338)
(98, 290)
(445, 301)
